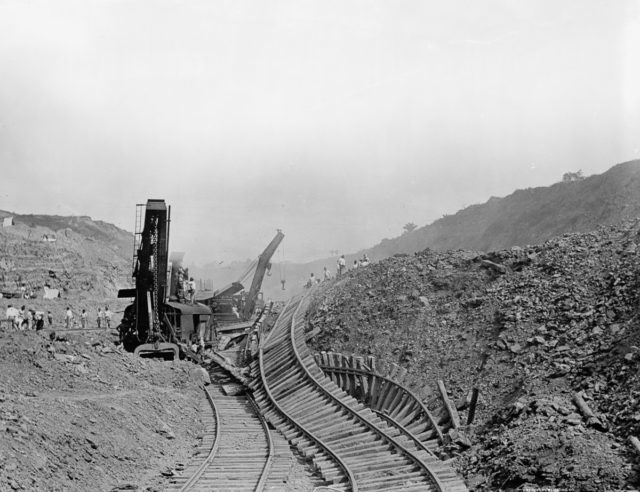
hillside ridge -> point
(528, 216)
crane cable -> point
(282, 271)
(246, 274)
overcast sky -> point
(336, 121)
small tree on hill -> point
(408, 227)
(577, 176)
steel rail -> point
(214, 449)
(406, 432)
(363, 372)
(417, 460)
(264, 476)
(323, 447)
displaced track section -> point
(238, 451)
(351, 447)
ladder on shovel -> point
(137, 234)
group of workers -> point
(103, 318)
(26, 294)
(186, 286)
(29, 319)
(25, 319)
(341, 268)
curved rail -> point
(241, 453)
(264, 476)
(414, 398)
(306, 432)
(400, 448)
(404, 430)
(214, 448)
(323, 421)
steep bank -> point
(529, 216)
(77, 414)
(528, 326)
(84, 256)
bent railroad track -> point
(238, 451)
(383, 389)
(352, 447)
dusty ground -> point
(78, 414)
(529, 327)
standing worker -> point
(327, 274)
(68, 317)
(39, 320)
(21, 318)
(83, 319)
(192, 290)
(311, 282)
(107, 318)
(202, 328)
(99, 318)
(342, 265)
(12, 313)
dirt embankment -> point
(73, 264)
(80, 415)
(530, 327)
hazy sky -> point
(336, 121)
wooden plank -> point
(472, 406)
(363, 380)
(335, 359)
(592, 420)
(372, 363)
(380, 394)
(398, 402)
(451, 409)
(388, 398)
(325, 358)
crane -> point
(264, 264)
(221, 299)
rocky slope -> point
(529, 216)
(88, 262)
(85, 256)
(77, 414)
(530, 327)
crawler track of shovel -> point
(351, 447)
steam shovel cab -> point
(153, 325)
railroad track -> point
(383, 389)
(238, 451)
(352, 447)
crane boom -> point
(263, 264)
